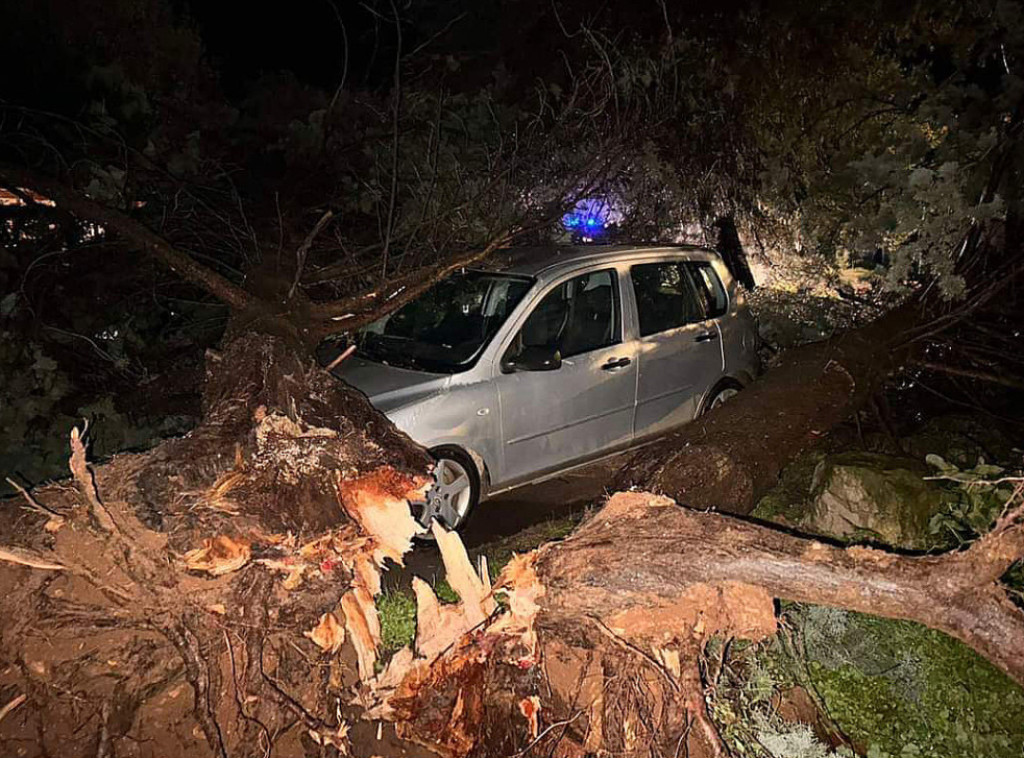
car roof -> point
(533, 261)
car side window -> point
(577, 316)
(709, 288)
(666, 297)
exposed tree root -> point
(202, 563)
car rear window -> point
(709, 288)
(666, 297)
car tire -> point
(725, 389)
(455, 493)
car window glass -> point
(709, 288)
(577, 316)
(665, 297)
(447, 327)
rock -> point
(881, 496)
(788, 503)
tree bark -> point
(606, 630)
(728, 459)
(197, 567)
(672, 549)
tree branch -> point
(77, 203)
(671, 548)
(303, 251)
(981, 376)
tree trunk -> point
(606, 630)
(728, 459)
(203, 561)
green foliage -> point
(40, 403)
(745, 706)
(893, 687)
(896, 687)
(975, 502)
(500, 552)
(33, 388)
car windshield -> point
(447, 327)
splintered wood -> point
(439, 626)
(384, 527)
(455, 640)
(473, 589)
(219, 555)
(328, 634)
(379, 503)
(86, 485)
(364, 628)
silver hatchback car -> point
(545, 359)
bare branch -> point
(396, 108)
(181, 263)
(982, 376)
(303, 251)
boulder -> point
(885, 498)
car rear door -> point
(678, 349)
(551, 419)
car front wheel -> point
(455, 492)
(723, 391)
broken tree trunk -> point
(188, 598)
(600, 650)
(728, 459)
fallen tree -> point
(726, 460)
(608, 643)
(239, 560)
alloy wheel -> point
(449, 499)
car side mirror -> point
(533, 358)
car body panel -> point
(465, 415)
(675, 370)
(392, 387)
(526, 425)
(545, 427)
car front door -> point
(553, 418)
(679, 349)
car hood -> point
(389, 387)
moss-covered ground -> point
(900, 689)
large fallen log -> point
(728, 459)
(624, 607)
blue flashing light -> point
(591, 216)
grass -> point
(397, 607)
(397, 612)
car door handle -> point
(615, 363)
(706, 337)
